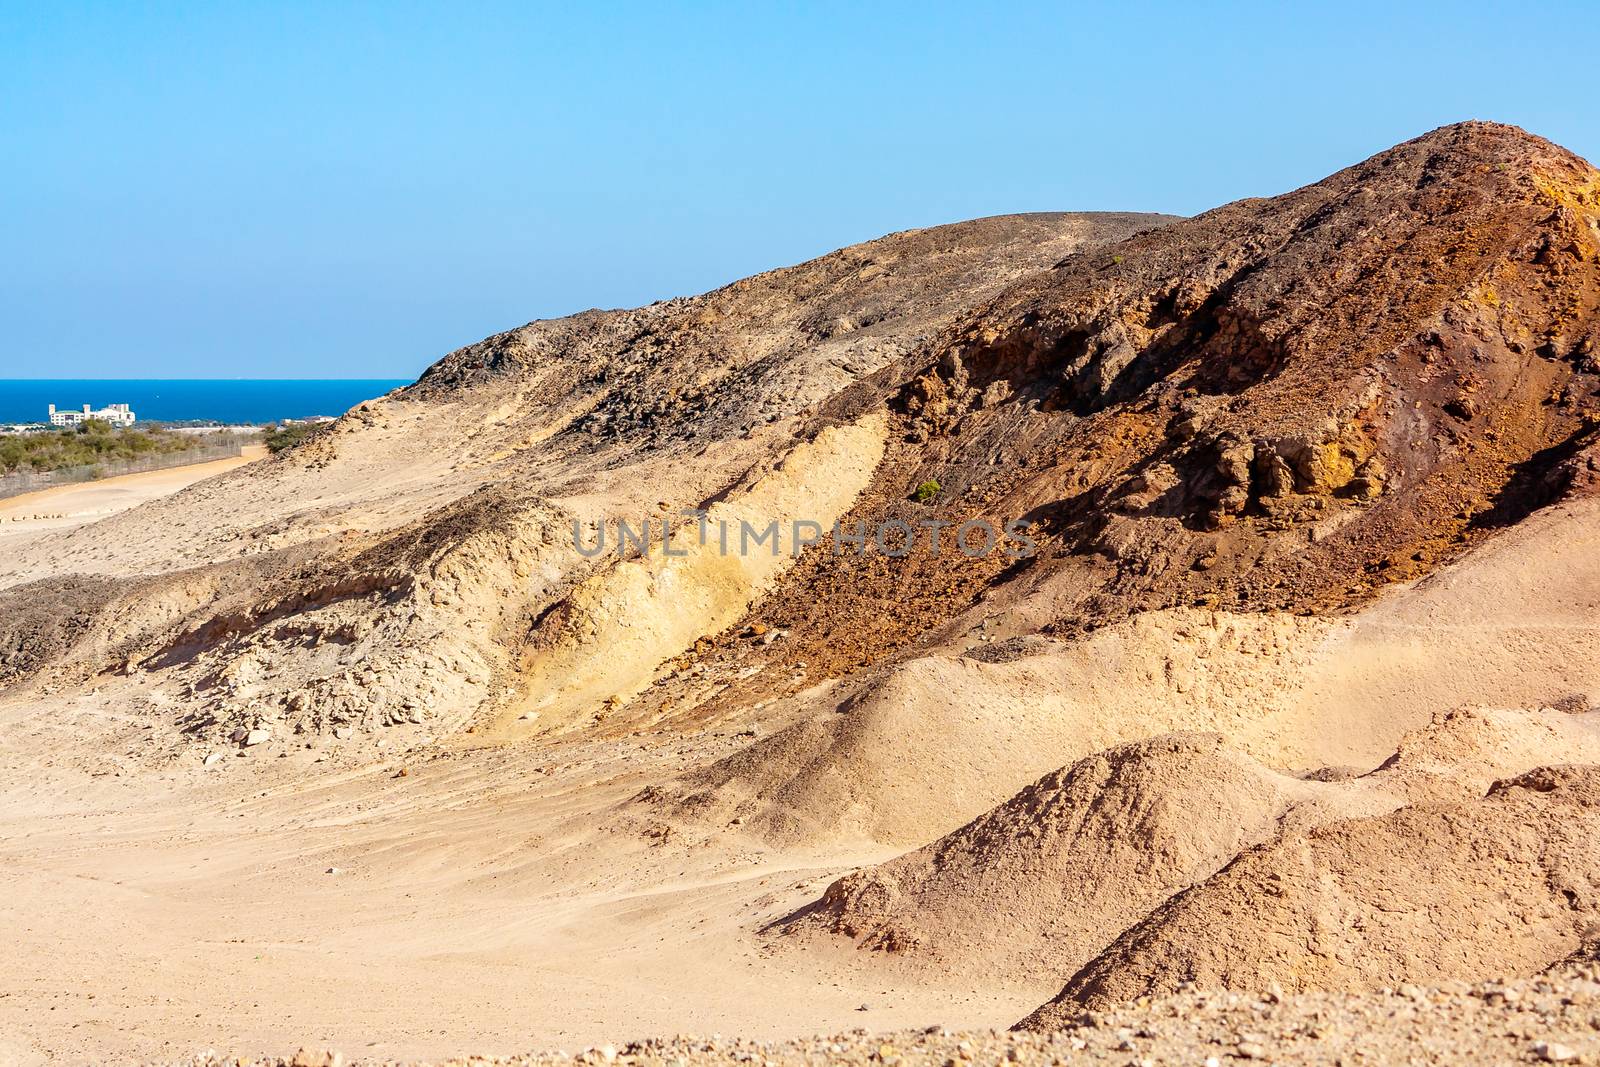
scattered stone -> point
(308, 1058)
(1207, 1027)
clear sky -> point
(351, 190)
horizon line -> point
(400, 379)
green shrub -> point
(926, 491)
(278, 438)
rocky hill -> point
(1278, 672)
(1280, 405)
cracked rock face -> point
(1318, 393)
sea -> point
(234, 401)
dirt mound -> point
(408, 631)
(1050, 878)
(1046, 880)
(1464, 751)
(41, 623)
(1502, 885)
(861, 769)
(1511, 623)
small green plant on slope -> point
(926, 491)
(279, 437)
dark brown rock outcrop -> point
(1281, 404)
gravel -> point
(1548, 1019)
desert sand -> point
(65, 506)
(494, 899)
(1285, 745)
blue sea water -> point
(226, 401)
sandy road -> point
(64, 506)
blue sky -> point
(348, 190)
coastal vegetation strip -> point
(96, 444)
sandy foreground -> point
(396, 916)
(429, 898)
(65, 506)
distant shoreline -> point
(231, 401)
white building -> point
(115, 414)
